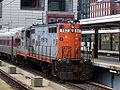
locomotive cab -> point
(69, 41)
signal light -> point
(17, 34)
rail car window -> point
(3, 42)
(7, 42)
(52, 30)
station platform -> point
(107, 59)
(109, 62)
(108, 52)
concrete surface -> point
(5, 86)
(25, 77)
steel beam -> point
(111, 42)
(100, 42)
(96, 44)
(90, 41)
(119, 44)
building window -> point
(68, 19)
(106, 12)
(103, 5)
(113, 4)
(109, 4)
(96, 13)
(117, 4)
(96, 7)
(106, 5)
(116, 11)
(100, 5)
(56, 5)
(60, 19)
(52, 20)
(113, 12)
(101, 13)
(33, 4)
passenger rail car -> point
(55, 47)
(8, 41)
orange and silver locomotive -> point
(56, 48)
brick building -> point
(100, 8)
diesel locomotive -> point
(55, 47)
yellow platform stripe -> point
(108, 57)
(106, 64)
(7, 46)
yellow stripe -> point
(108, 57)
(4, 39)
(107, 64)
(7, 46)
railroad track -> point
(73, 86)
(88, 86)
(13, 82)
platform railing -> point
(86, 53)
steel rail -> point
(74, 86)
(16, 82)
(98, 85)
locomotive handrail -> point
(46, 52)
(43, 53)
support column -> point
(100, 42)
(111, 42)
(119, 44)
(90, 41)
(96, 44)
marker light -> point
(72, 27)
